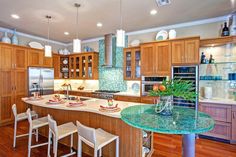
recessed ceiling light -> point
(15, 16)
(66, 33)
(153, 12)
(99, 24)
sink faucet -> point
(68, 87)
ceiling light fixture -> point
(15, 16)
(66, 33)
(120, 34)
(162, 2)
(77, 41)
(153, 12)
(48, 48)
(99, 24)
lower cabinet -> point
(127, 98)
(225, 120)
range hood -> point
(108, 51)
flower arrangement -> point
(175, 87)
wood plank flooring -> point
(164, 146)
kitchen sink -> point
(74, 98)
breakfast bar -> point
(89, 114)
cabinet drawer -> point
(219, 112)
(221, 130)
(127, 98)
(233, 107)
(148, 99)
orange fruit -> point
(162, 88)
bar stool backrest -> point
(14, 110)
(29, 117)
(52, 126)
(86, 132)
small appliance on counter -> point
(189, 73)
(40, 80)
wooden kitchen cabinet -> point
(148, 59)
(20, 57)
(56, 65)
(6, 52)
(132, 61)
(36, 58)
(83, 65)
(234, 124)
(127, 98)
(47, 62)
(156, 59)
(185, 51)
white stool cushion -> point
(23, 116)
(37, 123)
(103, 137)
(66, 129)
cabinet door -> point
(84, 66)
(177, 49)
(20, 58)
(35, 57)
(20, 80)
(77, 66)
(6, 57)
(47, 62)
(56, 66)
(90, 66)
(234, 125)
(6, 94)
(163, 58)
(148, 59)
(128, 64)
(192, 51)
(136, 64)
(72, 67)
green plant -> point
(175, 87)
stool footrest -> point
(39, 145)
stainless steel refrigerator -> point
(40, 80)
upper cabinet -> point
(37, 58)
(185, 51)
(156, 59)
(20, 58)
(56, 66)
(132, 62)
(6, 52)
(83, 66)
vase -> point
(6, 39)
(14, 39)
(164, 106)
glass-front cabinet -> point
(132, 63)
(83, 66)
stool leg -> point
(100, 152)
(117, 147)
(79, 148)
(37, 135)
(95, 152)
(56, 145)
(71, 143)
(15, 129)
(49, 143)
(29, 142)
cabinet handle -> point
(15, 65)
(234, 115)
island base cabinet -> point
(130, 138)
(233, 125)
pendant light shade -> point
(120, 38)
(77, 41)
(120, 33)
(76, 45)
(48, 48)
(48, 51)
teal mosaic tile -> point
(112, 78)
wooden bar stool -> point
(34, 125)
(95, 138)
(17, 118)
(59, 132)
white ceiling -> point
(136, 15)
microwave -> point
(148, 82)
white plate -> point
(135, 42)
(162, 35)
(65, 61)
(37, 45)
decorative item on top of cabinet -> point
(132, 62)
(14, 39)
(6, 39)
(185, 51)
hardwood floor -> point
(164, 146)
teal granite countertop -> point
(183, 120)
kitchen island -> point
(130, 138)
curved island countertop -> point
(183, 120)
(90, 105)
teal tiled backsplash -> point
(111, 78)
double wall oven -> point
(149, 81)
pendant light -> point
(120, 33)
(77, 41)
(48, 48)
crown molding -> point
(33, 36)
(155, 29)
